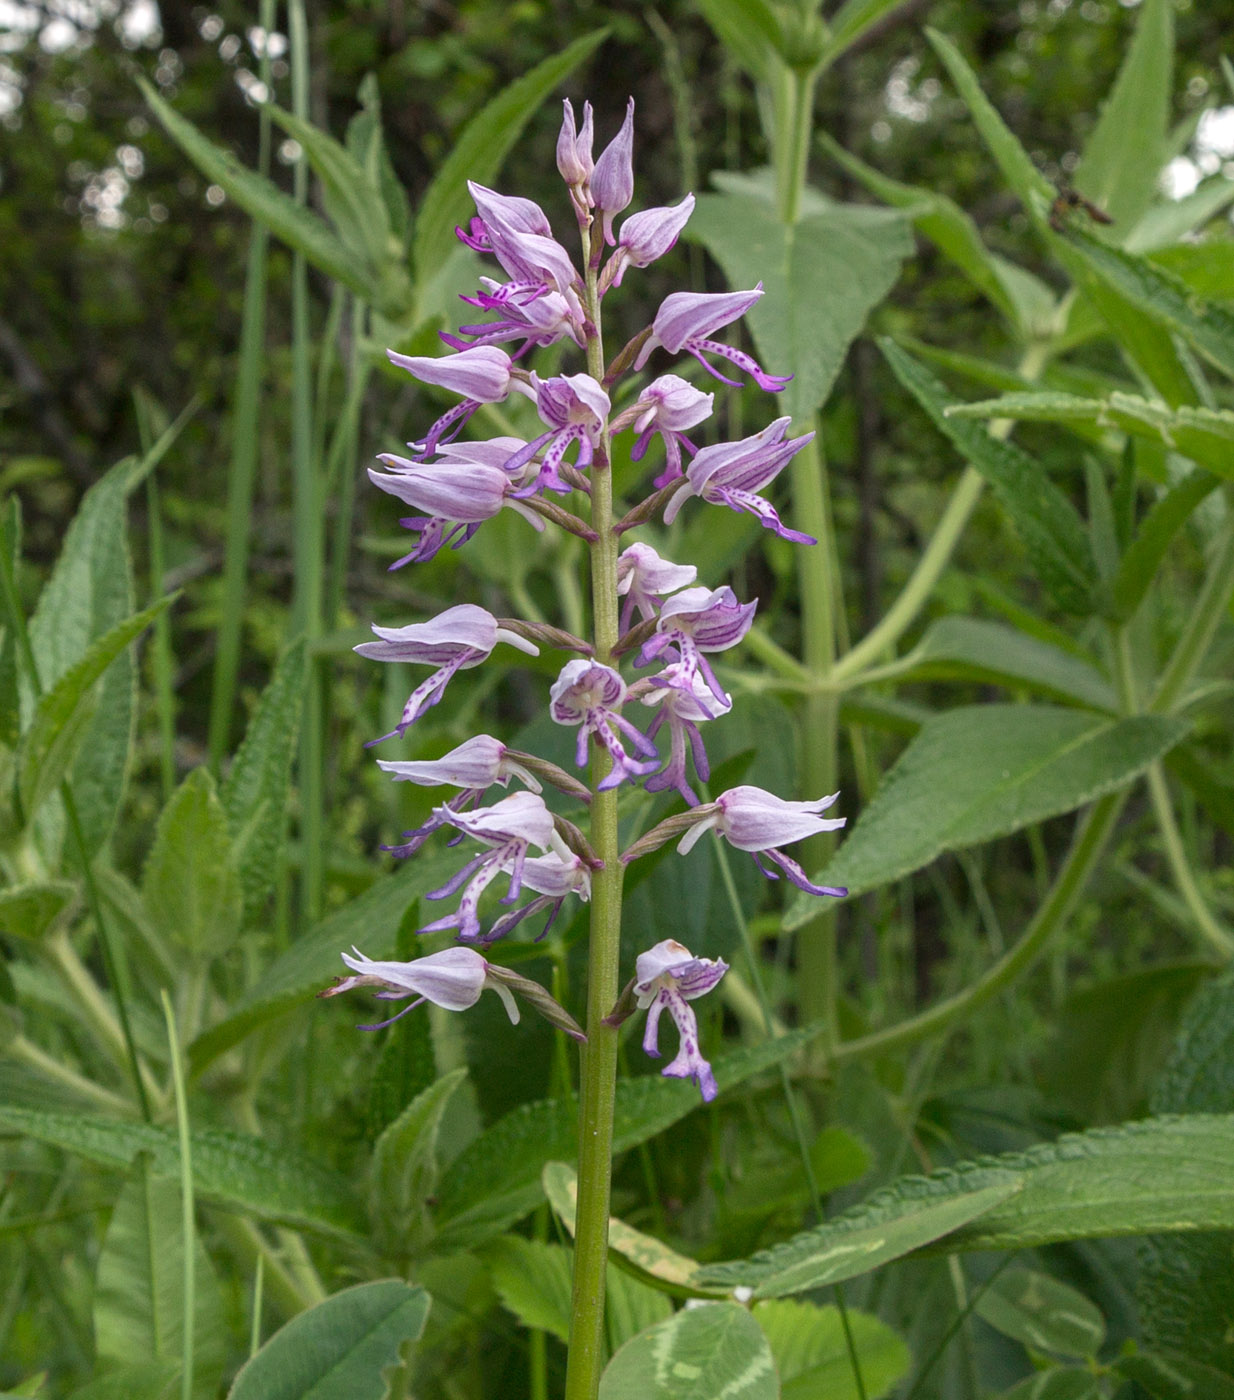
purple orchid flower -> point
(455, 640)
(539, 317)
(507, 829)
(670, 976)
(695, 621)
(519, 237)
(644, 237)
(480, 373)
(667, 406)
(612, 181)
(574, 160)
(453, 979)
(643, 578)
(685, 702)
(684, 322)
(585, 693)
(729, 474)
(554, 877)
(759, 822)
(576, 408)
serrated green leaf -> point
(190, 885)
(254, 793)
(481, 147)
(1167, 1375)
(983, 771)
(1053, 534)
(28, 911)
(496, 1178)
(139, 1286)
(1043, 1313)
(821, 277)
(702, 1353)
(811, 1352)
(403, 1174)
(62, 717)
(338, 1349)
(532, 1280)
(229, 1169)
(1123, 158)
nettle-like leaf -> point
(697, 1354)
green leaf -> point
(297, 226)
(190, 885)
(370, 921)
(337, 1350)
(254, 792)
(750, 30)
(229, 1169)
(10, 694)
(1043, 1313)
(1053, 534)
(979, 772)
(1166, 1375)
(972, 649)
(891, 1224)
(1159, 1174)
(403, 1174)
(367, 144)
(630, 1307)
(851, 21)
(532, 1280)
(1058, 1383)
(143, 1380)
(481, 147)
(811, 1353)
(139, 1287)
(1123, 157)
(62, 717)
(702, 1353)
(28, 911)
(821, 277)
(496, 1179)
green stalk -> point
(245, 431)
(1211, 929)
(598, 1075)
(188, 1223)
(1209, 609)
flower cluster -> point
(673, 628)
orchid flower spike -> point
(644, 580)
(695, 621)
(480, 373)
(669, 975)
(453, 979)
(575, 408)
(588, 694)
(685, 322)
(759, 822)
(644, 237)
(612, 181)
(574, 160)
(685, 702)
(669, 406)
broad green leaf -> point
(496, 1179)
(339, 1349)
(532, 1280)
(704, 1353)
(1208, 325)
(403, 1174)
(750, 30)
(1156, 1175)
(1168, 1375)
(1053, 534)
(406, 1066)
(28, 911)
(979, 772)
(1165, 224)
(972, 649)
(480, 148)
(811, 1353)
(190, 884)
(370, 922)
(891, 1224)
(1057, 1383)
(229, 1169)
(142, 1380)
(650, 1260)
(821, 277)
(254, 792)
(1123, 157)
(62, 717)
(297, 226)
(853, 19)
(1206, 267)
(1043, 1313)
(1185, 1288)
(139, 1287)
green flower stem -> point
(1087, 846)
(1218, 937)
(187, 1212)
(598, 1075)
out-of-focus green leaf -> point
(191, 886)
(28, 911)
(532, 1280)
(1054, 536)
(254, 792)
(481, 147)
(750, 30)
(404, 1170)
(697, 1354)
(811, 1352)
(339, 1349)
(979, 772)
(229, 1169)
(1043, 1313)
(630, 1307)
(1057, 1383)
(853, 19)
(822, 276)
(1166, 223)
(367, 145)
(1123, 157)
(1170, 1375)
(142, 1380)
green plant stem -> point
(1209, 609)
(246, 1240)
(598, 1075)
(187, 1214)
(1215, 934)
(245, 436)
(19, 1048)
